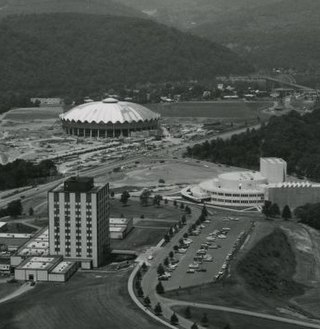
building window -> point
(56, 196)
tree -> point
(144, 266)
(124, 197)
(167, 238)
(266, 209)
(140, 292)
(166, 201)
(158, 309)
(137, 284)
(175, 203)
(166, 261)
(159, 288)
(185, 235)
(171, 254)
(31, 211)
(204, 320)
(147, 301)
(138, 275)
(286, 213)
(184, 219)
(194, 326)
(174, 319)
(157, 200)
(202, 218)
(112, 194)
(144, 197)
(204, 211)
(161, 181)
(176, 248)
(181, 241)
(274, 210)
(187, 313)
(160, 269)
(14, 208)
(187, 210)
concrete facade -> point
(79, 222)
(273, 169)
(293, 194)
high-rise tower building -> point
(79, 221)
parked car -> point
(201, 270)
(194, 265)
(191, 270)
(163, 278)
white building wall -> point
(274, 169)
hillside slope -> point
(109, 7)
(68, 53)
(269, 33)
(284, 33)
(185, 14)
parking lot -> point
(207, 270)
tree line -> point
(22, 173)
(293, 137)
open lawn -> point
(214, 109)
(139, 239)
(7, 288)
(36, 113)
(134, 210)
(95, 301)
(218, 319)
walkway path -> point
(21, 290)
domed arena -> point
(109, 118)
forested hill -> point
(293, 137)
(101, 7)
(55, 54)
(282, 33)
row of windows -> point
(237, 201)
(67, 197)
(238, 195)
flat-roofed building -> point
(120, 227)
(36, 268)
(38, 245)
(274, 169)
(79, 221)
(248, 189)
(51, 268)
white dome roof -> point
(109, 110)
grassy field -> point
(218, 109)
(219, 320)
(95, 301)
(36, 113)
(18, 228)
(139, 239)
(135, 210)
(269, 267)
(7, 288)
(160, 218)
